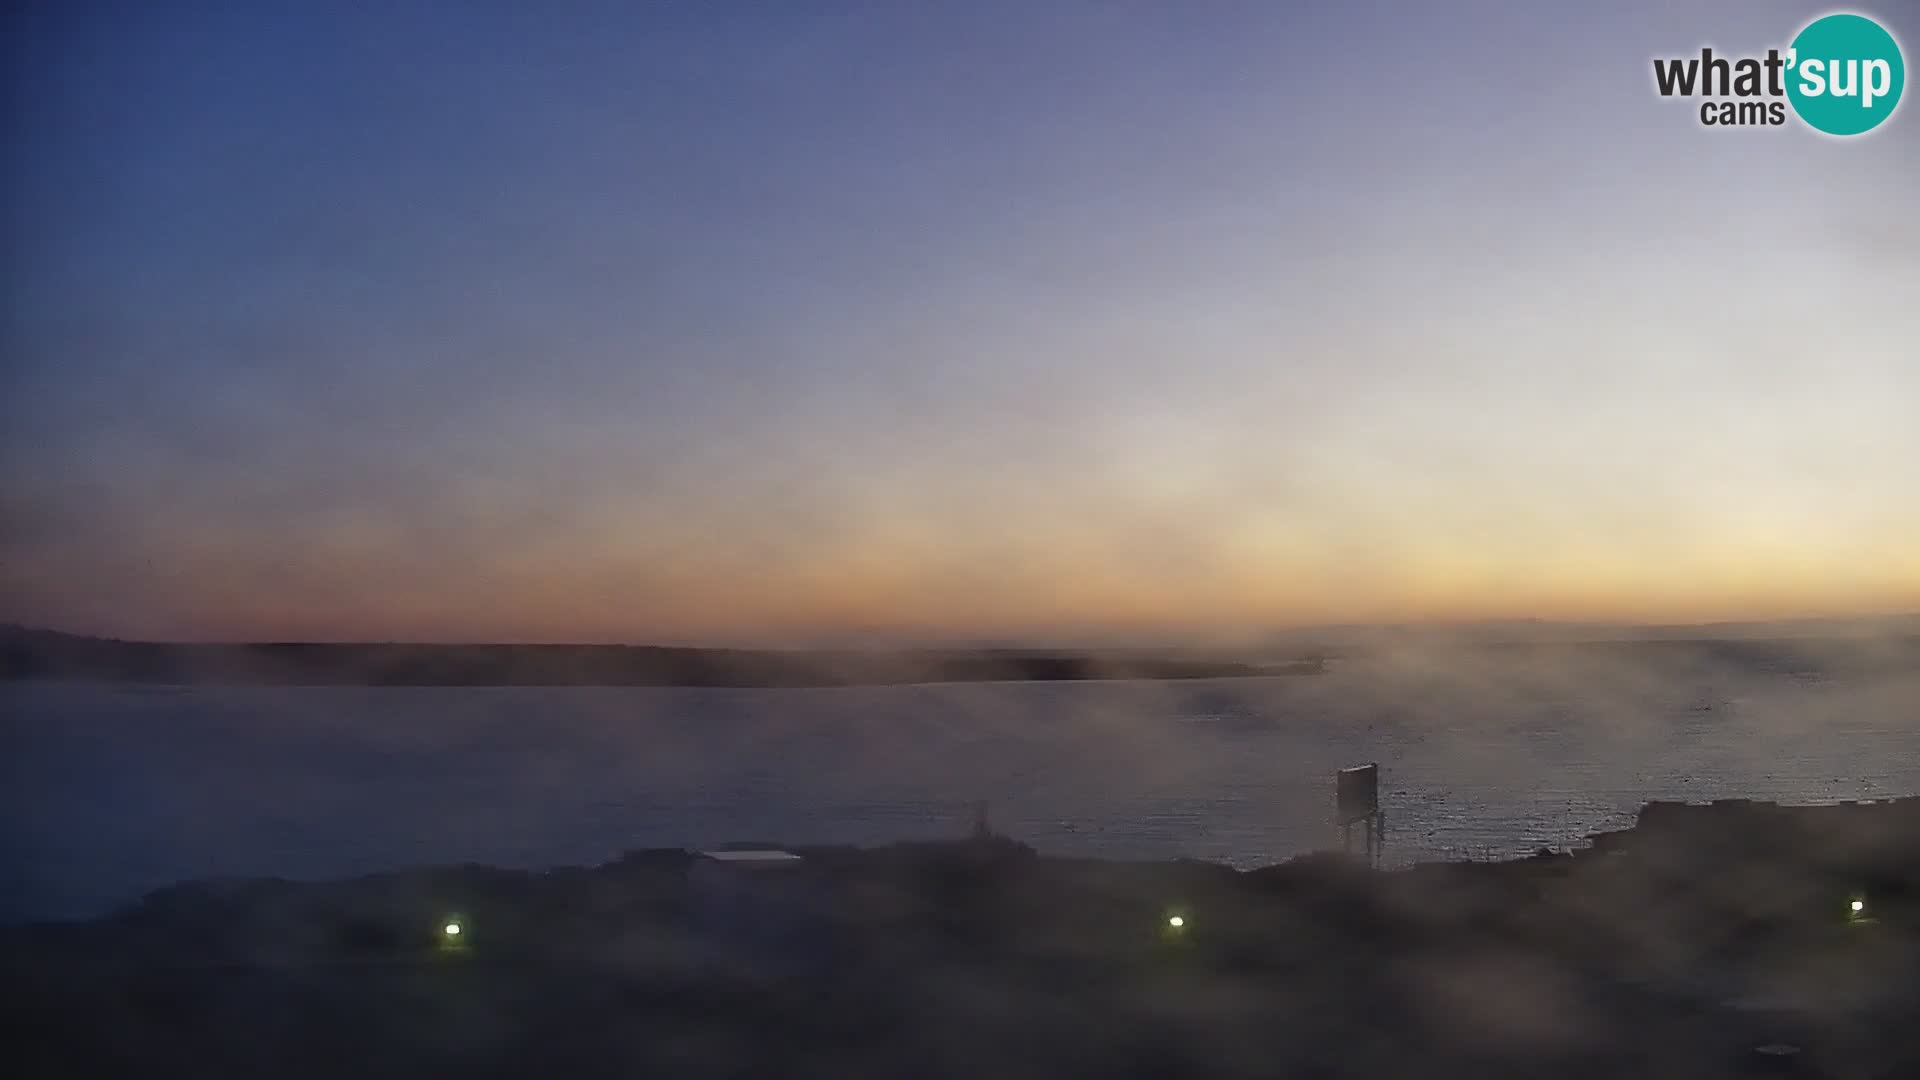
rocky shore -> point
(1725, 939)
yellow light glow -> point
(1858, 906)
(1176, 921)
(453, 929)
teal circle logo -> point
(1845, 74)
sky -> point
(762, 323)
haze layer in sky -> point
(777, 322)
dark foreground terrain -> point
(1718, 940)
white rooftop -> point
(763, 855)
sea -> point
(109, 791)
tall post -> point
(1357, 800)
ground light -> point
(1858, 913)
(1176, 926)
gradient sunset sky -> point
(757, 323)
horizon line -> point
(906, 643)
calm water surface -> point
(112, 790)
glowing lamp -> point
(1857, 906)
(452, 929)
(1176, 921)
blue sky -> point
(731, 322)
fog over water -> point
(114, 790)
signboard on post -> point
(1357, 793)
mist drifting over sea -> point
(115, 790)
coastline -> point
(1677, 944)
(40, 655)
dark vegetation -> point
(40, 654)
(1679, 949)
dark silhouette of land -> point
(1733, 939)
(31, 654)
(42, 654)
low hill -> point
(48, 655)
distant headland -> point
(29, 654)
(38, 654)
